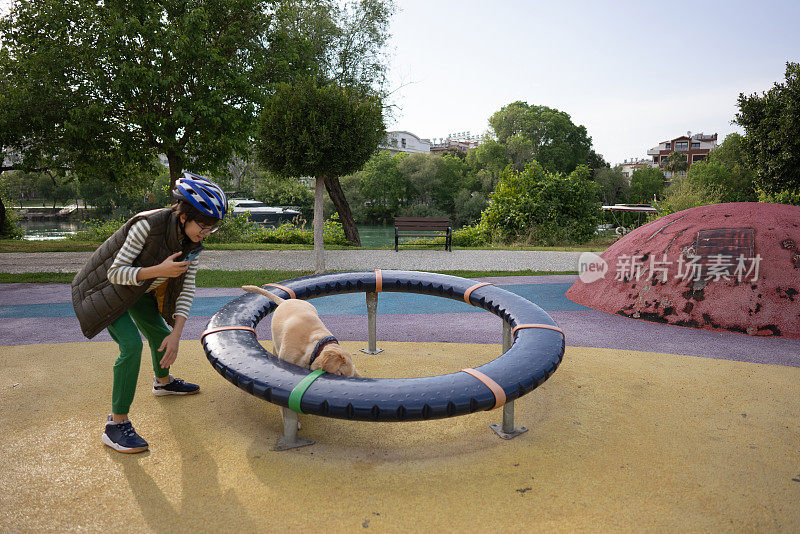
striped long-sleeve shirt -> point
(124, 273)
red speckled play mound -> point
(733, 267)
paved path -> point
(335, 260)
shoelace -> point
(127, 429)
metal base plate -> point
(283, 444)
(498, 429)
(367, 351)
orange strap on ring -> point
(499, 394)
(288, 290)
(223, 328)
(378, 281)
(532, 325)
(469, 291)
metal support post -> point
(507, 430)
(372, 312)
(290, 439)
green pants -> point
(144, 315)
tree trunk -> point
(175, 167)
(55, 186)
(337, 196)
(319, 244)
(2, 216)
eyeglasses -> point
(207, 230)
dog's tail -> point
(261, 291)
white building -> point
(696, 148)
(405, 142)
(632, 164)
(461, 142)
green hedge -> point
(236, 229)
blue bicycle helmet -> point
(201, 193)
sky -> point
(633, 73)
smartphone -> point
(193, 253)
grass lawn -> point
(71, 245)
(55, 245)
(217, 278)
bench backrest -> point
(421, 223)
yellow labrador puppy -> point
(300, 337)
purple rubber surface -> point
(584, 328)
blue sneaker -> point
(122, 437)
(175, 386)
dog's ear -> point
(348, 369)
(329, 360)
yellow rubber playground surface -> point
(618, 441)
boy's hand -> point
(172, 268)
(170, 349)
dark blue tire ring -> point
(533, 357)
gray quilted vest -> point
(98, 302)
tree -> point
(543, 134)
(54, 188)
(722, 177)
(342, 42)
(116, 200)
(451, 177)
(343, 46)
(18, 185)
(613, 185)
(731, 152)
(646, 183)
(9, 227)
(325, 131)
(596, 162)
(282, 191)
(537, 206)
(684, 193)
(468, 206)
(432, 183)
(726, 173)
(772, 134)
(102, 88)
(487, 162)
(241, 171)
(382, 188)
(677, 163)
(415, 185)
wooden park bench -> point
(422, 227)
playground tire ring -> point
(536, 351)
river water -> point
(49, 230)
